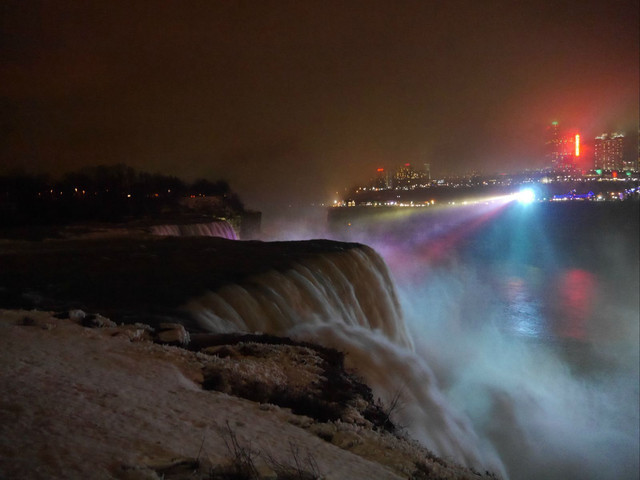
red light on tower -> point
(380, 170)
(407, 164)
(577, 145)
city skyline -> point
(566, 149)
(292, 101)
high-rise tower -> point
(608, 149)
(553, 141)
(562, 150)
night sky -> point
(291, 101)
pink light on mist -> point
(576, 293)
(436, 245)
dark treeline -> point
(108, 193)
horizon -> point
(288, 100)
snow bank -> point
(83, 402)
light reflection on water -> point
(563, 311)
(576, 290)
(522, 310)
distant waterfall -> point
(348, 301)
(219, 228)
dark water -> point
(528, 315)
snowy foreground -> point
(106, 401)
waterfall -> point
(218, 228)
(347, 300)
(316, 290)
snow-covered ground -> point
(82, 402)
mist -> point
(549, 410)
(525, 320)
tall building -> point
(562, 149)
(608, 151)
(406, 176)
(553, 139)
(427, 171)
(382, 180)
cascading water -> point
(219, 228)
(528, 317)
(347, 300)
(316, 290)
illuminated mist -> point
(526, 316)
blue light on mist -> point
(529, 323)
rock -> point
(77, 315)
(171, 334)
(135, 333)
(93, 320)
(97, 321)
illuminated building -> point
(562, 149)
(553, 139)
(382, 181)
(608, 150)
(406, 176)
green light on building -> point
(554, 123)
(599, 171)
